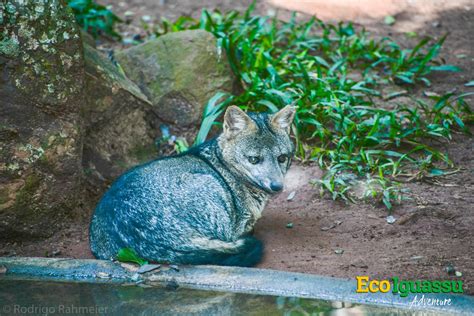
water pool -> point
(33, 297)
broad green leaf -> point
(129, 255)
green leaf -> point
(404, 78)
(212, 111)
(389, 20)
(469, 84)
(437, 172)
(450, 68)
(129, 255)
(395, 94)
(270, 106)
(180, 145)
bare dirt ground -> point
(434, 229)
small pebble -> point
(135, 277)
(146, 18)
(102, 275)
(390, 219)
(450, 269)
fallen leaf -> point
(430, 94)
(291, 196)
(395, 94)
(148, 267)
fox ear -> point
(284, 118)
(235, 121)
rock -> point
(41, 85)
(338, 251)
(179, 72)
(120, 127)
(87, 39)
(390, 219)
(450, 269)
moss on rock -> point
(40, 91)
(34, 32)
(179, 72)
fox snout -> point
(276, 186)
(273, 186)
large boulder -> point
(41, 85)
(179, 72)
(120, 128)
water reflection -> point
(33, 297)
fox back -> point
(199, 207)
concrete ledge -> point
(228, 279)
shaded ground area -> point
(434, 229)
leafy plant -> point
(129, 255)
(212, 111)
(94, 18)
(334, 74)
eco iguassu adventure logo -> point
(406, 287)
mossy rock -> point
(43, 39)
(179, 72)
(117, 120)
(41, 86)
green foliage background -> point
(334, 74)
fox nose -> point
(276, 186)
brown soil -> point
(434, 229)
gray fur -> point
(199, 207)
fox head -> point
(257, 147)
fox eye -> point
(254, 160)
(282, 158)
